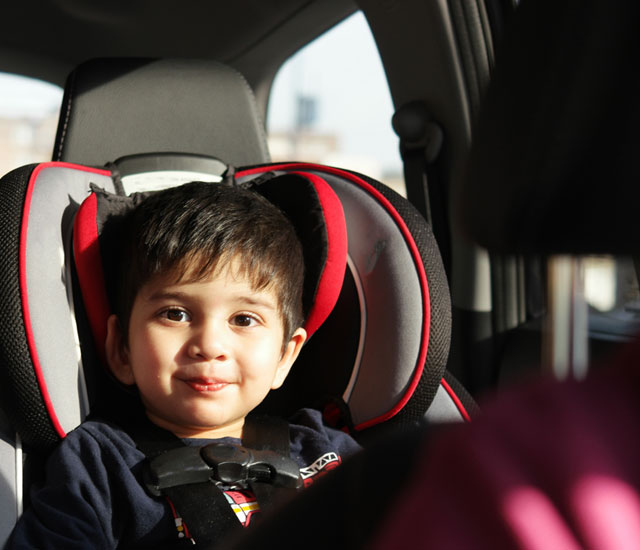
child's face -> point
(203, 354)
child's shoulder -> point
(308, 419)
(307, 428)
(316, 447)
(99, 430)
(100, 438)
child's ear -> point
(117, 355)
(290, 354)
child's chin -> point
(211, 426)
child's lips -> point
(205, 384)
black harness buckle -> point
(220, 462)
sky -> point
(26, 97)
(343, 70)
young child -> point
(208, 320)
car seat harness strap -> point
(189, 476)
(221, 462)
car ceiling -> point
(47, 38)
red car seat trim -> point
(456, 400)
(88, 261)
(332, 276)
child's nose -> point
(210, 342)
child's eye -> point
(176, 315)
(244, 320)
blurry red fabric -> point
(546, 466)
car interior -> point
(441, 305)
(522, 195)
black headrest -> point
(554, 165)
(118, 107)
(310, 204)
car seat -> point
(377, 361)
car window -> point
(29, 110)
(611, 290)
(330, 103)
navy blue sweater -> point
(93, 496)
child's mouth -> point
(205, 384)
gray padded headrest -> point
(118, 107)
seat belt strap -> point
(205, 511)
(267, 433)
(421, 142)
(272, 434)
(203, 507)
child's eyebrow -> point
(256, 300)
(162, 295)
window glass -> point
(29, 111)
(330, 104)
(611, 290)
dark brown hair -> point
(193, 229)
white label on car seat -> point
(322, 465)
(162, 179)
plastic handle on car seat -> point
(176, 467)
(235, 463)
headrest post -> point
(565, 339)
